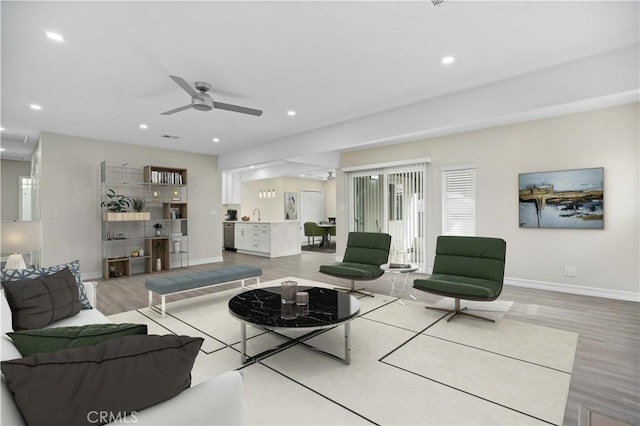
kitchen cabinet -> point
(268, 238)
(265, 238)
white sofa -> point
(217, 401)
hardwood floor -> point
(606, 374)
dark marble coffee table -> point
(263, 308)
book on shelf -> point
(172, 178)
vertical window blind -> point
(391, 200)
(459, 200)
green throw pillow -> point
(49, 340)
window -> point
(459, 200)
(391, 200)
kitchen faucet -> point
(254, 212)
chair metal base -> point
(458, 311)
(353, 289)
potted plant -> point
(138, 204)
(116, 203)
(158, 227)
(116, 206)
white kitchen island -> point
(269, 238)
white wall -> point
(11, 171)
(604, 259)
(70, 188)
(273, 208)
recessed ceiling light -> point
(143, 126)
(251, 167)
(1, 129)
(291, 113)
(1, 149)
(55, 36)
(448, 60)
(36, 107)
(216, 140)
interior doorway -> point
(311, 209)
(25, 205)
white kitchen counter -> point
(269, 238)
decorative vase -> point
(158, 232)
(288, 291)
(158, 264)
(176, 246)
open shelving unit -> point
(130, 244)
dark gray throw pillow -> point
(40, 301)
(30, 273)
(119, 376)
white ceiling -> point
(331, 62)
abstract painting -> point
(562, 199)
(291, 206)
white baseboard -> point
(516, 282)
(197, 262)
(574, 289)
(88, 276)
(567, 288)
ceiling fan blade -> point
(185, 86)
(237, 108)
(173, 111)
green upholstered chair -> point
(312, 230)
(364, 254)
(469, 268)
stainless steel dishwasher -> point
(229, 229)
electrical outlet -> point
(569, 271)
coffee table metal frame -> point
(290, 342)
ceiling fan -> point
(331, 176)
(202, 101)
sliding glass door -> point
(391, 200)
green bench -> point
(173, 284)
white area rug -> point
(408, 366)
(493, 306)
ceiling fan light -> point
(55, 36)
